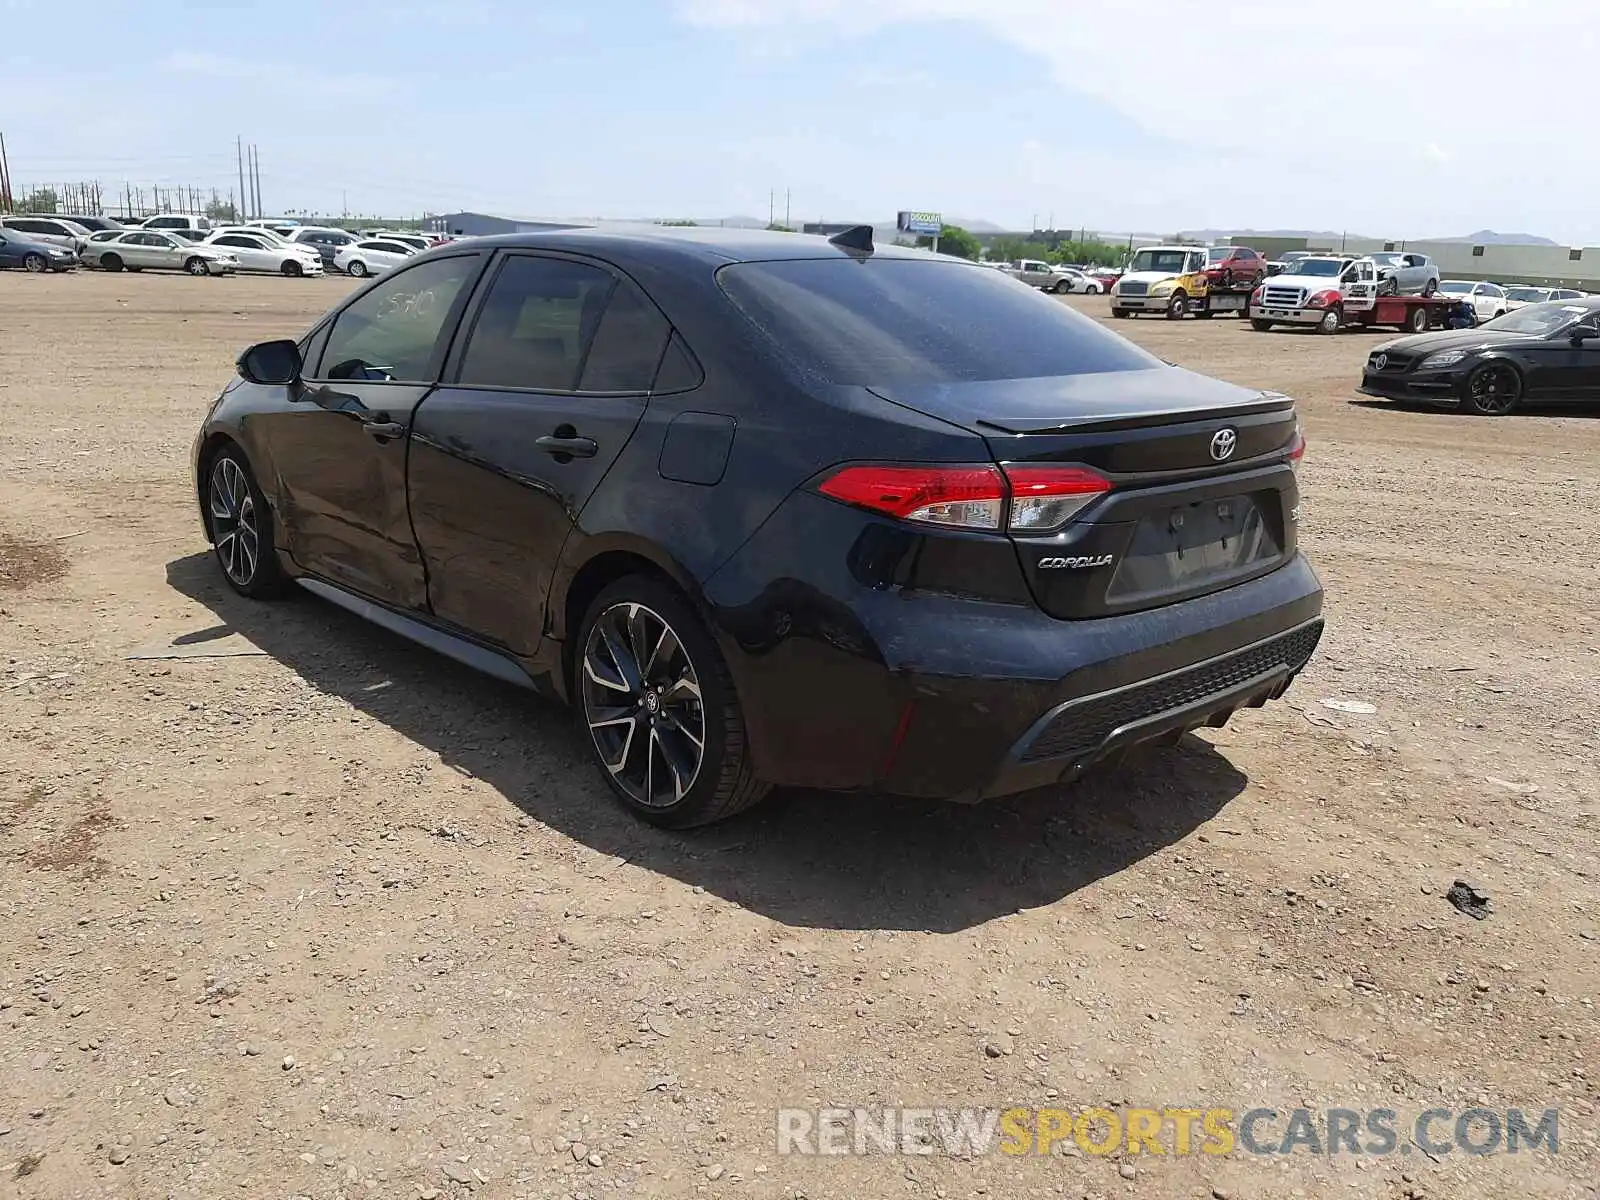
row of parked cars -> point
(179, 242)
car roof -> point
(712, 245)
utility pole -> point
(772, 202)
(255, 178)
(238, 149)
(5, 178)
(787, 224)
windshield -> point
(1456, 288)
(1387, 260)
(890, 321)
(1540, 319)
(1171, 261)
(1219, 253)
(1528, 295)
(1323, 267)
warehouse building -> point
(471, 224)
(1548, 266)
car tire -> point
(197, 266)
(1418, 322)
(356, 268)
(1260, 326)
(1062, 288)
(1177, 307)
(1094, 289)
(293, 269)
(1120, 314)
(240, 522)
(1494, 389)
(36, 264)
(1389, 286)
(1332, 321)
(1430, 287)
(647, 668)
(110, 262)
(1498, 315)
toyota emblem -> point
(1380, 362)
(1223, 442)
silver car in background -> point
(52, 231)
(1401, 274)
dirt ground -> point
(340, 918)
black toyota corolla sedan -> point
(1541, 353)
(769, 509)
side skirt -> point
(478, 657)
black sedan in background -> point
(769, 508)
(19, 250)
(1541, 353)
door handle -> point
(384, 430)
(572, 446)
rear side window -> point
(535, 325)
(901, 321)
(627, 347)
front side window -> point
(391, 333)
(536, 325)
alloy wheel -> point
(1494, 390)
(234, 529)
(642, 704)
(35, 264)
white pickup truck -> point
(1332, 291)
(1039, 274)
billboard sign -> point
(925, 224)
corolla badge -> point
(1075, 564)
(1223, 442)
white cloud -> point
(1355, 87)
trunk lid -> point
(1203, 493)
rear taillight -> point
(1045, 498)
(1297, 448)
(1039, 498)
(962, 497)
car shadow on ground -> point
(806, 859)
(1590, 411)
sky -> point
(1398, 118)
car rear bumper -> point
(853, 686)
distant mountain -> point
(1488, 237)
(1211, 235)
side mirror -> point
(1584, 333)
(271, 362)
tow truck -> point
(1331, 292)
(1171, 280)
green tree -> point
(678, 223)
(222, 210)
(775, 227)
(955, 240)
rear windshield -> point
(899, 321)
